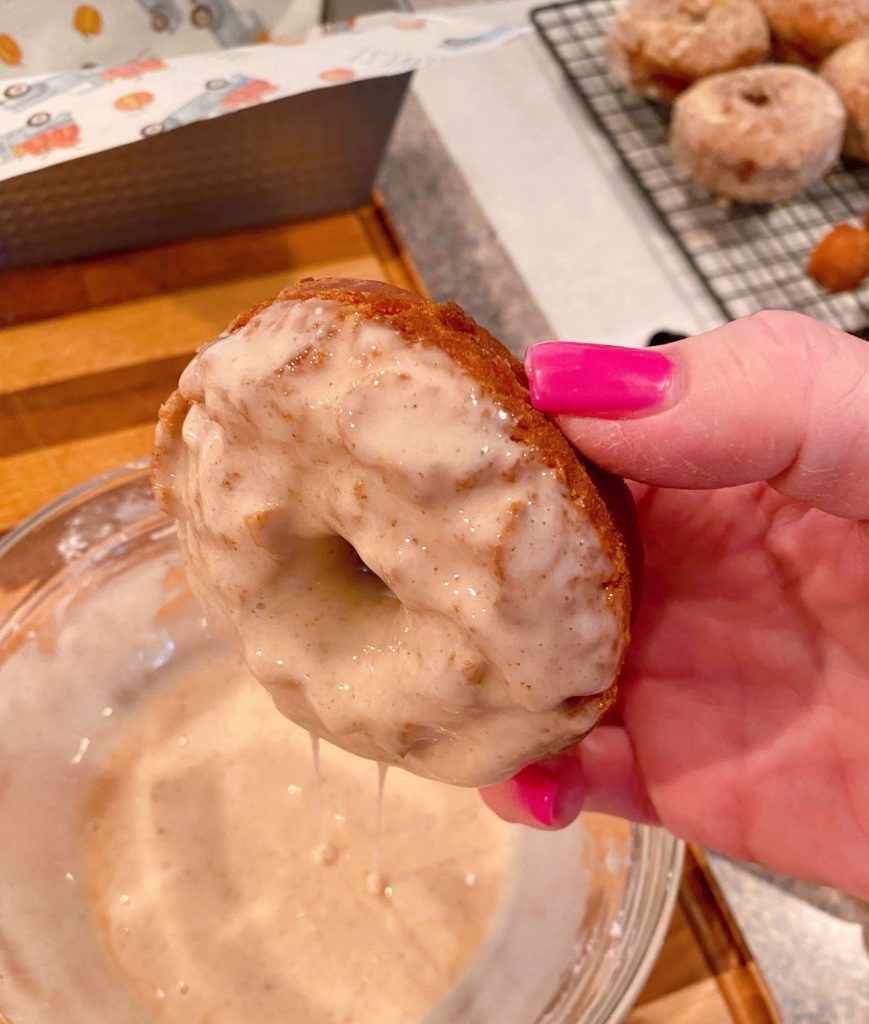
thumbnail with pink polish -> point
(597, 380)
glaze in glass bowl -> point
(58, 573)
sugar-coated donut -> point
(415, 561)
(660, 47)
(758, 135)
(847, 70)
(807, 30)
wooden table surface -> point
(88, 351)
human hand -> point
(742, 721)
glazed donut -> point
(660, 47)
(758, 135)
(847, 70)
(415, 562)
(805, 31)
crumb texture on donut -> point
(758, 135)
(847, 71)
(415, 562)
(660, 47)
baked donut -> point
(660, 47)
(415, 562)
(805, 31)
(760, 134)
(847, 70)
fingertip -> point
(500, 798)
(599, 774)
(546, 796)
(615, 782)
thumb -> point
(775, 397)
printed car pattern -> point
(220, 94)
(24, 95)
(229, 26)
(39, 136)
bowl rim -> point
(132, 469)
(673, 857)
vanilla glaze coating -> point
(408, 579)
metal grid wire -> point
(749, 257)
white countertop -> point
(591, 252)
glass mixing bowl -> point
(64, 623)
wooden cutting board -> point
(88, 350)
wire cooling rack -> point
(749, 257)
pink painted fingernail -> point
(551, 794)
(597, 380)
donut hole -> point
(317, 560)
(357, 573)
(756, 98)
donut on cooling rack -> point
(758, 135)
(805, 31)
(847, 70)
(660, 47)
(413, 559)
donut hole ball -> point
(806, 31)
(661, 47)
(840, 261)
(758, 135)
(847, 71)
